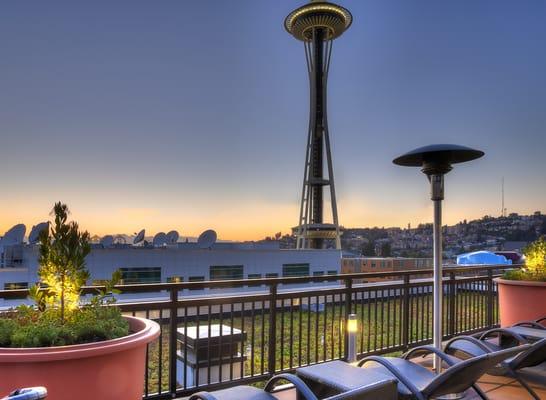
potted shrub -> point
(522, 292)
(76, 349)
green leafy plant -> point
(535, 263)
(62, 261)
(59, 317)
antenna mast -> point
(503, 210)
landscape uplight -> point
(352, 329)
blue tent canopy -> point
(482, 257)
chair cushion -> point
(339, 375)
(242, 393)
(418, 375)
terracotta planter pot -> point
(521, 301)
(109, 370)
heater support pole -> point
(437, 195)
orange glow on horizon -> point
(251, 221)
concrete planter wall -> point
(108, 370)
(521, 301)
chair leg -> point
(480, 392)
(525, 385)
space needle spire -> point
(317, 24)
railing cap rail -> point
(154, 287)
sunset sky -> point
(192, 115)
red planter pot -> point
(521, 301)
(108, 370)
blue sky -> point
(193, 114)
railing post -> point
(490, 298)
(452, 314)
(406, 312)
(272, 329)
(172, 341)
(348, 311)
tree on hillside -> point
(368, 249)
(386, 250)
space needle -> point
(317, 24)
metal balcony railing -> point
(214, 335)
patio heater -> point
(435, 161)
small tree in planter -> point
(58, 317)
(522, 293)
(62, 262)
(535, 263)
(77, 350)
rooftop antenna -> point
(207, 239)
(35, 232)
(107, 241)
(160, 239)
(139, 237)
(503, 210)
(172, 237)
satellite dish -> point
(172, 237)
(139, 237)
(107, 241)
(120, 239)
(160, 239)
(95, 239)
(207, 239)
(36, 230)
(15, 235)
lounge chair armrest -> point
(470, 339)
(538, 321)
(395, 372)
(202, 396)
(300, 385)
(426, 350)
(506, 332)
(531, 324)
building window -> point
(226, 272)
(254, 276)
(130, 276)
(15, 285)
(318, 273)
(271, 275)
(175, 279)
(289, 270)
(332, 272)
(373, 264)
(196, 279)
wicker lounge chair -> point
(468, 346)
(418, 382)
(384, 390)
(536, 324)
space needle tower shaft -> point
(317, 24)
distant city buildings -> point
(354, 265)
(511, 233)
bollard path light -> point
(436, 161)
(352, 329)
